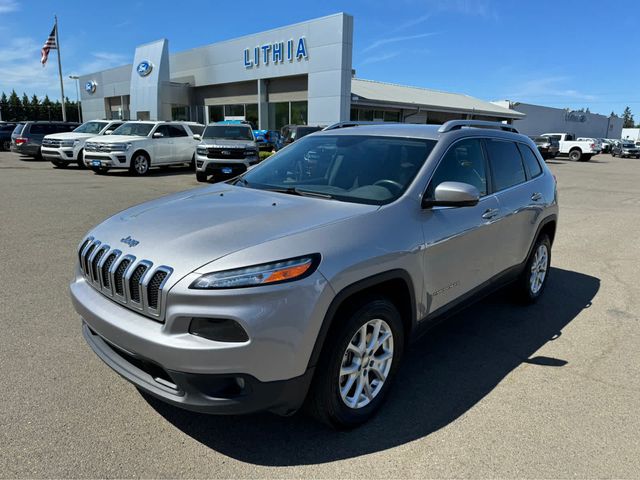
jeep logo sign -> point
(276, 53)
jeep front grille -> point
(136, 284)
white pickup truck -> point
(578, 151)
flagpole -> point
(64, 109)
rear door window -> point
(177, 131)
(506, 164)
(39, 129)
(464, 162)
(530, 161)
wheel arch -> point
(396, 285)
(144, 152)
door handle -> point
(536, 196)
(490, 213)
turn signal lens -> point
(265, 274)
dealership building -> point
(300, 74)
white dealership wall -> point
(540, 119)
(326, 62)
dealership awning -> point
(393, 95)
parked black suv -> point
(29, 140)
(291, 133)
(6, 129)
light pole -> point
(77, 79)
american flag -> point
(48, 45)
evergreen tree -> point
(4, 106)
(26, 107)
(627, 118)
(47, 108)
(36, 114)
(15, 107)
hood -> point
(70, 135)
(189, 229)
(225, 142)
(117, 138)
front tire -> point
(533, 279)
(81, 160)
(59, 164)
(100, 170)
(201, 177)
(6, 145)
(358, 365)
(140, 164)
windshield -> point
(91, 127)
(134, 129)
(358, 168)
(229, 132)
(542, 139)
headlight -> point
(76, 143)
(202, 150)
(265, 274)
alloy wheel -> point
(366, 364)
(539, 269)
(141, 164)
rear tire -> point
(575, 155)
(358, 364)
(201, 177)
(6, 145)
(532, 281)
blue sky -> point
(559, 53)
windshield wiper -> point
(300, 192)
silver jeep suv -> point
(306, 277)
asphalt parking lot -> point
(551, 390)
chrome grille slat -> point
(134, 284)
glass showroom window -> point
(299, 113)
(251, 114)
(180, 113)
(236, 110)
(216, 113)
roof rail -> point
(458, 124)
(354, 123)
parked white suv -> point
(140, 145)
(64, 148)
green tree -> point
(4, 106)
(16, 113)
(47, 108)
(627, 118)
(36, 114)
(26, 107)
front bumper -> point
(109, 160)
(62, 154)
(224, 167)
(166, 360)
(215, 394)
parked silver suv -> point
(308, 276)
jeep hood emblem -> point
(130, 241)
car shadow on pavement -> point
(443, 375)
(155, 172)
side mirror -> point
(108, 132)
(453, 194)
(157, 135)
(197, 137)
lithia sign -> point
(276, 53)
